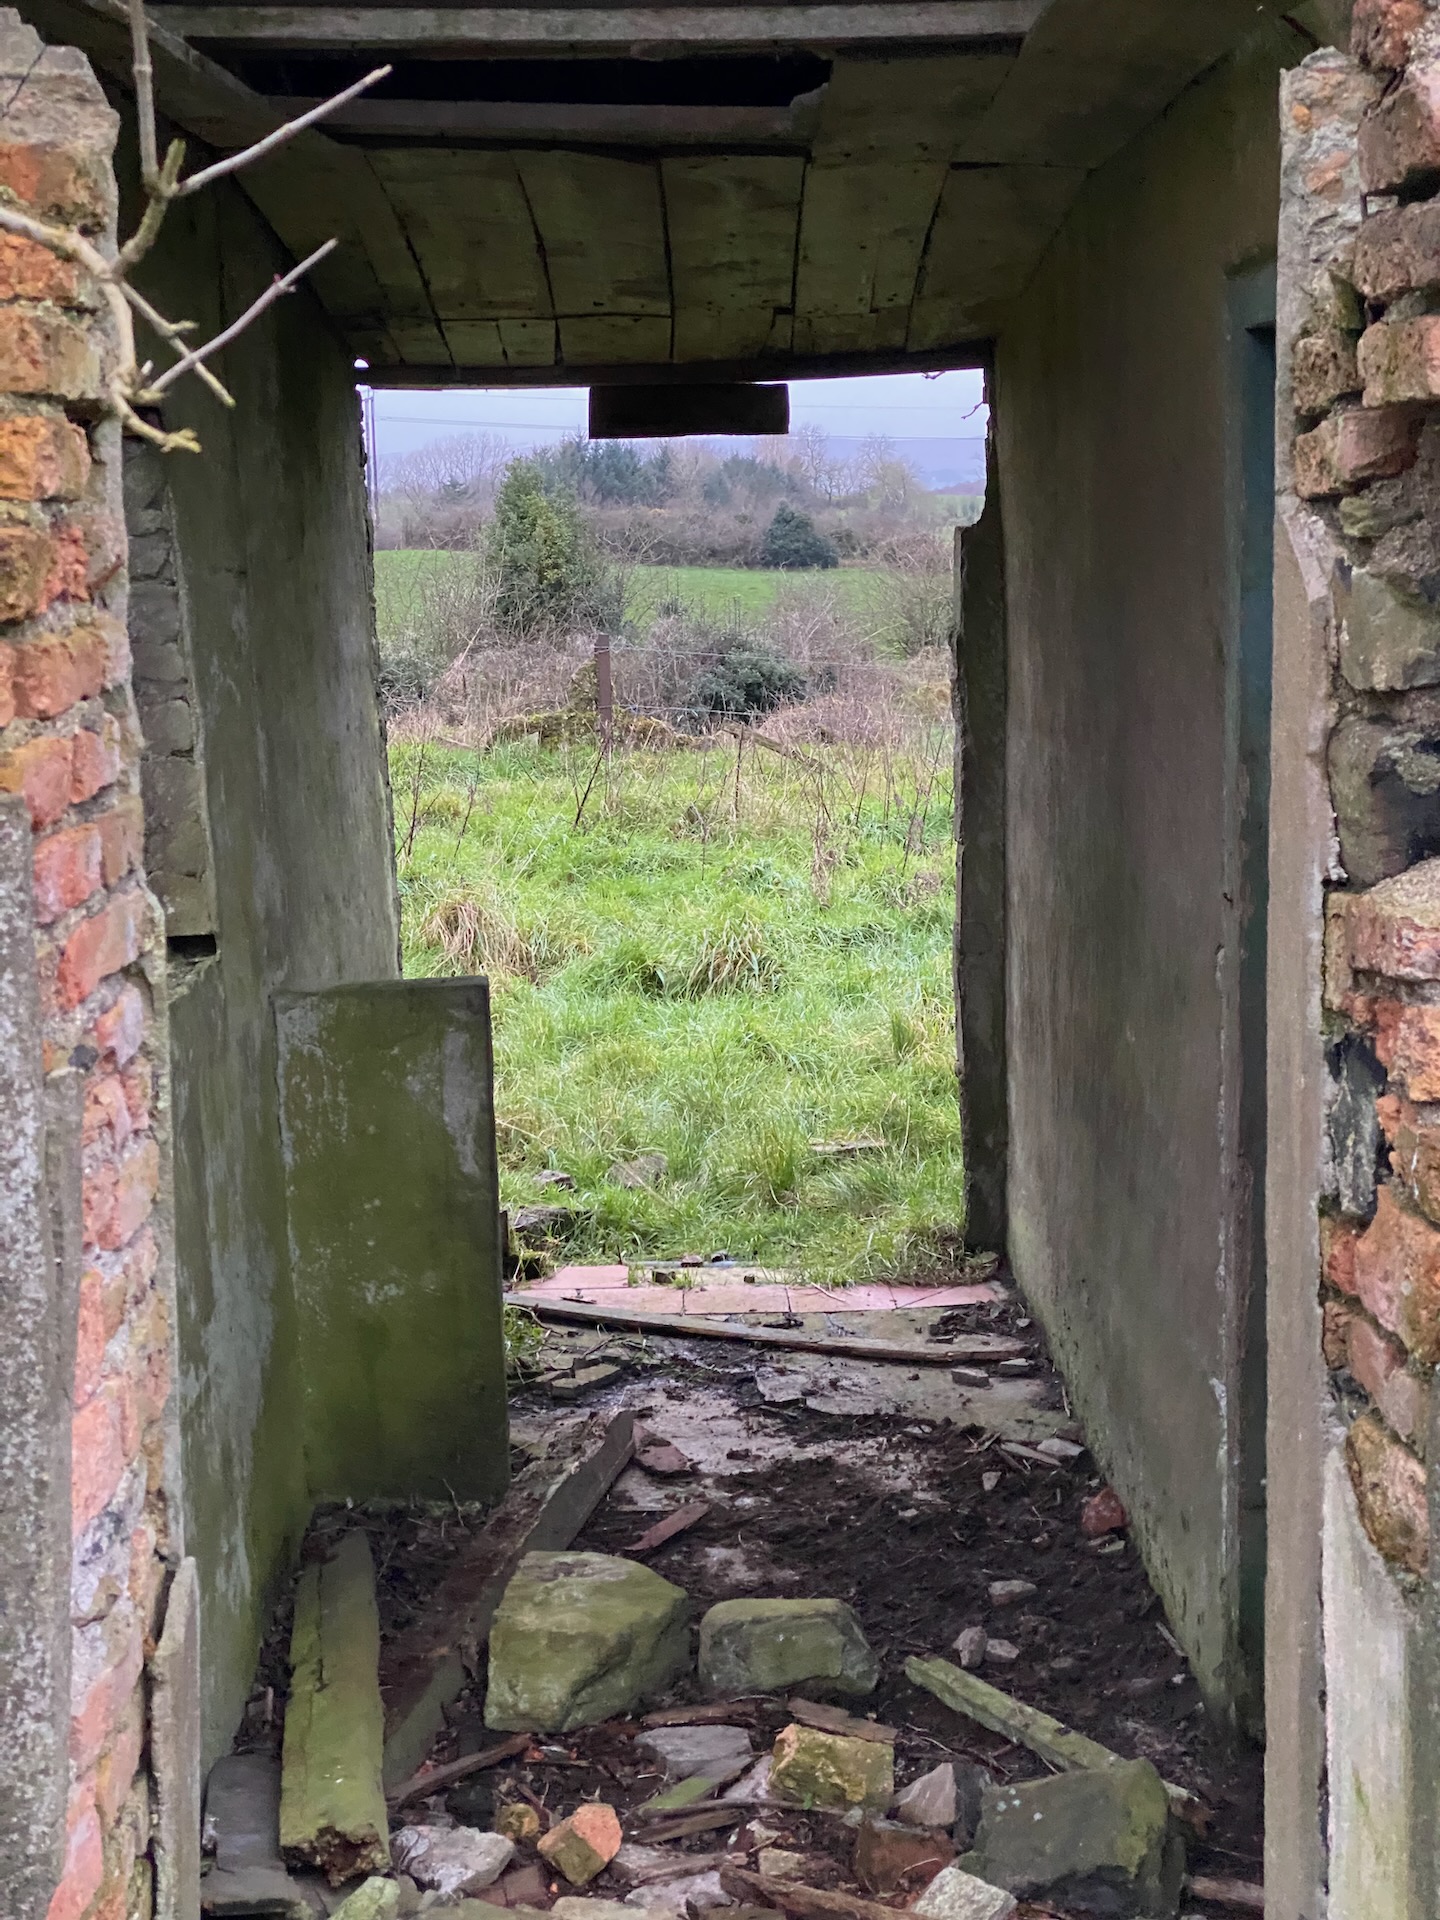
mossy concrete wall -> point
(275, 570)
(1117, 414)
(387, 1119)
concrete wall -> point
(1118, 457)
(274, 574)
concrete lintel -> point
(965, 354)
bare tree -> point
(134, 385)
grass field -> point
(725, 962)
(716, 591)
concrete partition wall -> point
(1117, 411)
(274, 586)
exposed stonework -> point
(70, 746)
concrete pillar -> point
(980, 683)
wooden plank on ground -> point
(732, 221)
(426, 1667)
(487, 30)
(803, 1903)
(332, 1805)
(966, 1346)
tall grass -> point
(729, 955)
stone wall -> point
(70, 747)
(1359, 480)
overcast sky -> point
(906, 406)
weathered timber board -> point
(602, 226)
(732, 222)
(468, 221)
(991, 227)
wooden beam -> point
(965, 350)
(991, 227)
(479, 30)
(732, 220)
(503, 121)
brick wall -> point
(70, 744)
(1365, 457)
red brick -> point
(98, 1454)
(1363, 443)
(57, 182)
(84, 1868)
(116, 1772)
(30, 271)
(41, 770)
(55, 670)
(110, 1659)
(1381, 31)
(1414, 1152)
(1407, 1044)
(69, 575)
(1400, 134)
(67, 870)
(122, 839)
(1398, 251)
(119, 1032)
(1394, 929)
(1323, 370)
(1379, 1365)
(1335, 1318)
(47, 353)
(1389, 1485)
(118, 1196)
(106, 1112)
(1397, 1274)
(1400, 360)
(1338, 1241)
(92, 1337)
(103, 944)
(139, 1084)
(95, 761)
(7, 684)
(27, 559)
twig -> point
(423, 1783)
(198, 354)
(233, 162)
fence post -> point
(604, 691)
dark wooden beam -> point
(970, 352)
(662, 411)
(503, 122)
(480, 30)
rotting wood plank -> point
(426, 1782)
(732, 222)
(482, 30)
(1055, 1743)
(500, 121)
(965, 1346)
(332, 1805)
(828, 1719)
(427, 1666)
(805, 1903)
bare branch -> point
(276, 139)
(144, 95)
(193, 359)
(172, 331)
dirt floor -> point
(893, 1488)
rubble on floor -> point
(764, 1720)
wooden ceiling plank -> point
(917, 104)
(991, 229)
(502, 121)
(467, 219)
(602, 228)
(480, 29)
(589, 340)
(731, 222)
(529, 343)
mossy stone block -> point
(762, 1646)
(1099, 1840)
(813, 1769)
(581, 1637)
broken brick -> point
(1397, 1274)
(585, 1844)
(1389, 1485)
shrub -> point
(749, 678)
(549, 576)
(792, 540)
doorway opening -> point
(673, 765)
